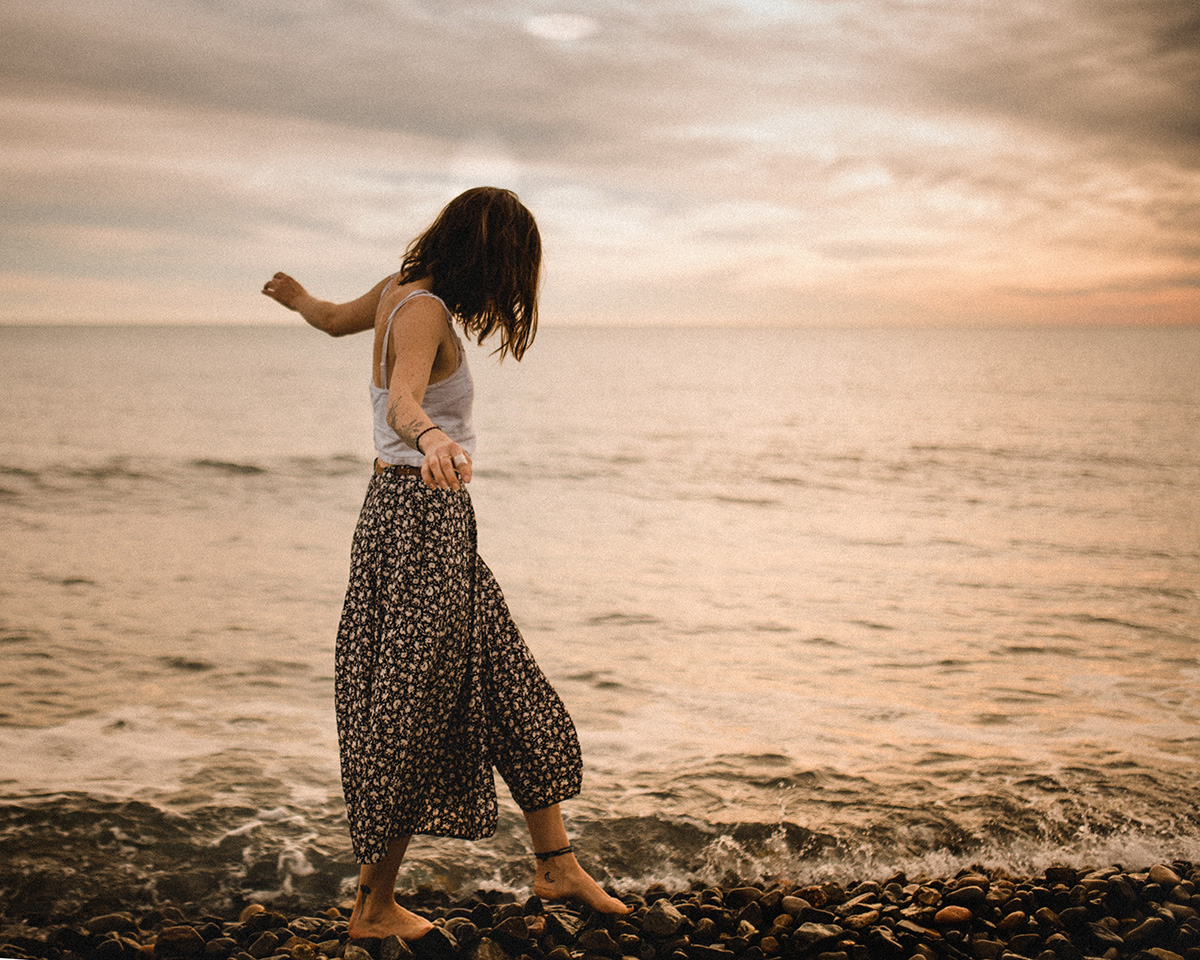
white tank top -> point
(447, 403)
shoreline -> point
(1064, 913)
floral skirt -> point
(434, 685)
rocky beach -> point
(1066, 913)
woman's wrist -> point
(417, 439)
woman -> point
(434, 685)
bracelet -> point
(417, 438)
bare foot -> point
(562, 878)
(380, 916)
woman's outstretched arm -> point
(335, 319)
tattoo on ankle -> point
(549, 879)
(366, 891)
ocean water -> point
(822, 602)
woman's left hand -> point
(446, 465)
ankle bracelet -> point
(554, 853)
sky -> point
(831, 162)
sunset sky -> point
(742, 161)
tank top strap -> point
(387, 333)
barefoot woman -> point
(434, 685)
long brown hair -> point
(483, 254)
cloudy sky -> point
(767, 161)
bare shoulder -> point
(420, 316)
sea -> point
(824, 603)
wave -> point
(77, 854)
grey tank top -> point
(447, 403)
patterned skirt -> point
(434, 685)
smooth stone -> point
(808, 935)
(1160, 953)
(1068, 876)
(355, 953)
(740, 897)
(971, 896)
(793, 906)
(952, 916)
(1147, 931)
(506, 911)
(110, 949)
(1047, 917)
(984, 949)
(182, 942)
(1161, 873)
(1106, 937)
(111, 923)
(219, 948)
(489, 949)
(705, 931)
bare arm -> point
(418, 331)
(335, 319)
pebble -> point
(1064, 914)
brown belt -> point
(402, 468)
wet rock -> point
(701, 952)
(1104, 936)
(739, 897)
(355, 952)
(513, 928)
(663, 920)
(1149, 931)
(111, 923)
(882, 943)
(489, 949)
(1026, 944)
(808, 935)
(179, 942)
(264, 920)
(952, 916)
(972, 896)
(562, 926)
(794, 906)
(1159, 953)
(1161, 873)
(467, 934)
(220, 948)
(393, 948)
(600, 942)
(1068, 876)
(437, 944)
(263, 945)
(984, 949)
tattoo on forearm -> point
(408, 430)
